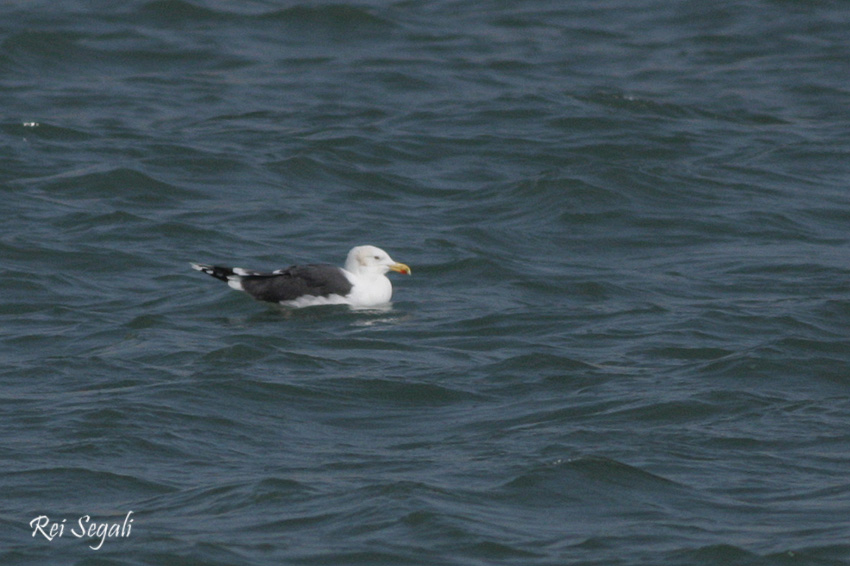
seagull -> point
(361, 283)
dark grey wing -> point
(296, 281)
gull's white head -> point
(369, 259)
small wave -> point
(597, 483)
(46, 131)
(27, 48)
(49, 483)
(330, 17)
(716, 554)
(538, 362)
(177, 12)
(227, 498)
(118, 184)
(396, 392)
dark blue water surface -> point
(624, 342)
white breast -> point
(369, 291)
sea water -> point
(624, 342)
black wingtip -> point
(222, 273)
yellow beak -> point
(401, 268)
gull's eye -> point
(377, 257)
